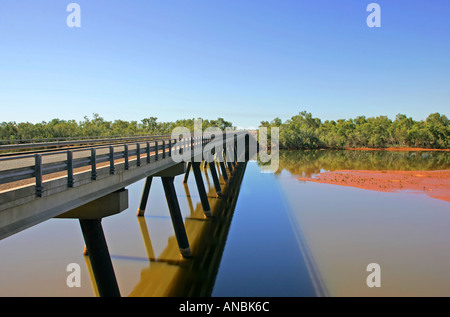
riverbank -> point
(399, 149)
(435, 184)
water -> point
(347, 228)
(263, 255)
(281, 237)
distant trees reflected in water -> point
(308, 162)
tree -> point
(303, 131)
(149, 125)
(438, 125)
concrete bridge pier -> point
(144, 198)
(99, 257)
(175, 214)
(201, 189)
(215, 178)
(224, 170)
(90, 216)
(167, 178)
(186, 175)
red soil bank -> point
(435, 184)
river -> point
(284, 234)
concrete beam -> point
(172, 171)
(105, 206)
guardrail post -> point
(93, 164)
(38, 174)
(125, 153)
(170, 147)
(69, 168)
(156, 150)
(147, 150)
(112, 168)
(235, 150)
(138, 154)
(163, 149)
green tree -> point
(438, 125)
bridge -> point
(89, 183)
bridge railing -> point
(30, 144)
(90, 158)
(33, 167)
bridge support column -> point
(144, 198)
(230, 167)
(186, 175)
(201, 189)
(224, 171)
(90, 216)
(175, 214)
(99, 257)
(212, 167)
(227, 160)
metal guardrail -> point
(36, 144)
(160, 148)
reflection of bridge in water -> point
(168, 274)
(89, 184)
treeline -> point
(98, 127)
(303, 131)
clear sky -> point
(243, 60)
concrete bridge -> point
(89, 184)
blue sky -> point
(243, 60)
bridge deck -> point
(32, 193)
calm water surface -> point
(347, 228)
(279, 237)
